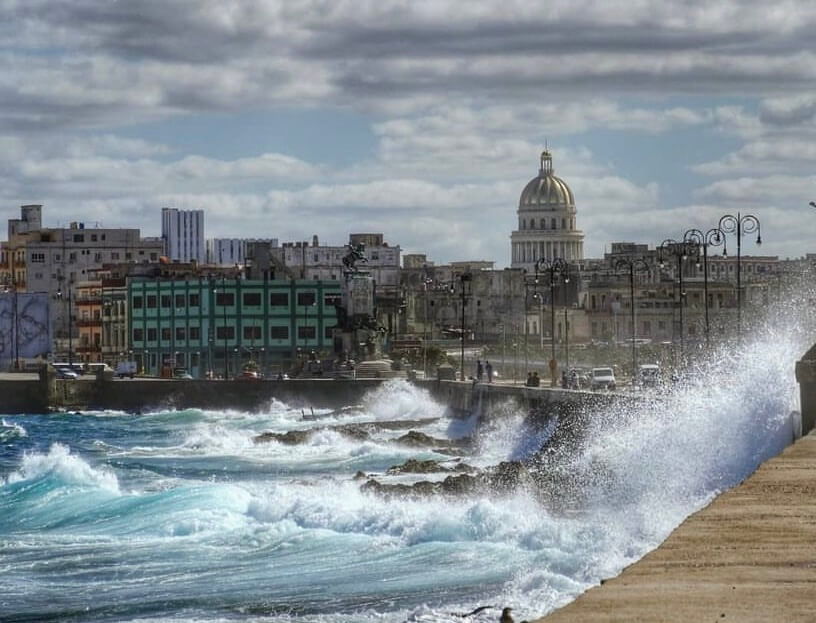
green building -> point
(220, 324)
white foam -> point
(68, 467)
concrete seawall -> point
(750, 556)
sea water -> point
(182, 516)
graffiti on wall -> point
(24, 332)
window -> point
(225, 298)
(114, 255)
(328, 332)
(552, 223)
(93, 237)
(166, 334)
(165, 301)
(79, 238)
(137, 302)
(138, 335)
(180, 334)
(252, 333)
(38, 258)
(151, 301)
(151, 334)
(306, 298)
(278, 333)
(306, 333)
(154, 257)
(194, 300)
(72, 257)
(180, 301)
(97, 257)
(543, 223)
(195, 333)
(278, 299)
(225, 333)
(330, 300)
(252, 299)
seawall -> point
(750, 556)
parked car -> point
(126, 369)
(648, 375)
(602, 378)
(65, 373)
(182, 374)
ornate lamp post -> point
(631, 266)
(68, 300)
(681, 250)
(556, 267)
(713, 237)
(739, 225)
(464, 278)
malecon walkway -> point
(750, 556)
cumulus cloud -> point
(461, 98)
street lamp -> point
(713, 237)
(224, 328)
(739, 225)
(427, 281)
(556, 267)
(681, 250)
(631, 266)
(70, 345)
(464, 278)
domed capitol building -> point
(546, 221)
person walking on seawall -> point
(536, 380)
(489, 370)
(479, 370)
(529, 382)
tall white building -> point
(546, 221)
(183, 235)
(232, 251)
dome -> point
(546, 190)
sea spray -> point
(208, 525)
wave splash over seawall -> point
(185, 516)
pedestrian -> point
(489, 370)
(536, 380)
(564, 382)
(479, 370)
(529, 382)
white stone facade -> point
(547, 226)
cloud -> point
(461, 98)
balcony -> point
(88, 322)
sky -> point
(422, 120)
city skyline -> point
(422, 121)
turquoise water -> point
(180, 516)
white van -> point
(602, 378)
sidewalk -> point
(750, 556)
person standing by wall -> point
(489, 370)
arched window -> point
(563, 223)
(543, 223)
(553, 224)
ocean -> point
(182, 516)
